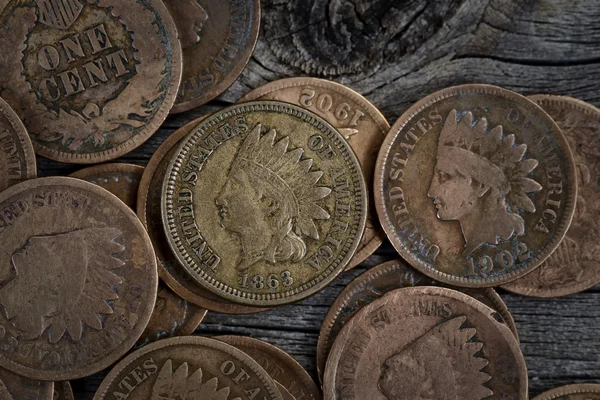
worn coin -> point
(361, 124)
(378, 281)
(264, 203)
(80, 278)
(475, 185)
(425, 342)
(218, 38)
(17, 387)
(282, 367)
(575, 265)
(190, 367)
(585, 391)
(63, 391)
(284, 392)
(92, 80)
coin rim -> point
(580, 388)
(30, 163)
(87, 172)
(67, 390)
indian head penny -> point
(475, 186)
(80, 278)
(92, 80)
(584, 391)
(15, 387)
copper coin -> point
(218, 38)
(17, 159)
(584, 391)
(361, 124)
(79, 276)
(17, 387)
(190, 367)
(378, 281)
(282, 367)
(475, 185)
(63, 391)
(425, 342)
(148, 210)
(284, 392)
(264, 203)
(91, 80)
(575, 265)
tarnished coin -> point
(378, 281)
(361, 124)
(575, 265)
(63, 391)
(264, 203)
(284, 392)
(80, 278)
(17, 387)
(190, 367)
(218, 38)
(91, 80)
(475, 186)
(586, 391)
(279, 365)
(425, 342)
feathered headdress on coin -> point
(179, 385)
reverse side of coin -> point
(90, 80)
(425, 342)
(63, 391)
(21, 388)
(575, 265)
(218, 38)
(80, 277)
(361, 124)
(585, 391)
(475, 185)
(186, 368)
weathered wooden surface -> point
(395, 52)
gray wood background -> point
(395, 52)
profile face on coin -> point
(584, 391)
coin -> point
(184, 367)
(91, 80)
(283, 391)
(282, 367)
(218, 38)
(475, 186)
(361, 124)
(20, 388)
(378, 281)
(425, 342)
(80, 278)
(63, 391)
(264, 203)
(584, 391)
(575, 265)
(17, 159)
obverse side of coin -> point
(80, 277)
(585, 391)
(425, 342)
(63, 391)
(575, 265)
(188, 368)
(218, 38)
(21, 388)
(475, 185)
(90, 80)
(264, 203)
(361, 124)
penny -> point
(190, 367)
(584, 391)
(282, 367)
(63, 391)
(218, 38)
(475, 186)
(575, 265)
(264, 203)
(425, 342)
(79, 276)
(283, 391)
(91, 80)
(378, 281)
(361, 124)
(20, 388)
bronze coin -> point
(218, 38)
(17, 387)
(284, 392)
(90, 80)
(63, 391)
(584, 391)
(378, 281)
(425, 342)
(189, 367)
(282, 367)
(475, 185)
(575, 265)
(361, 124)
(80, 278)
(264, 203)
(17, 159)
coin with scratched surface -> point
(264, 203)
(80, 278)
(575, 265)
(475, 185)
(63, 391)
(20, 388)
(425, 342)
(190, 367)
(91, 80)
(584, 391)
(361, 124)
